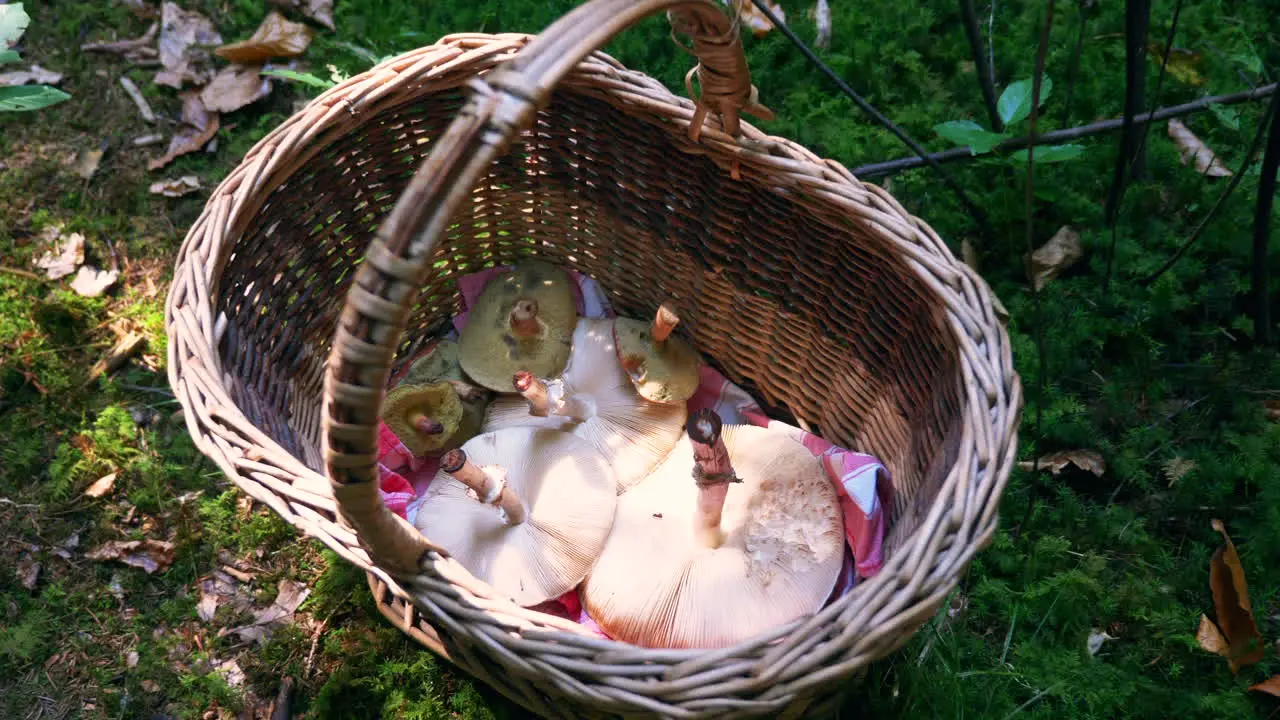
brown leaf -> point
(150, 686)
(1055, 463)
(234, 87)
(1177, 468)
(1210, 637)
(131, 660)
(101, 486)
(1271, 687)
(1183, 64)
(230, 670)
(176, 187)
(1273, 409)
(87, 162)
(1049, 260)
(150, 555)
(1232, 606)
(757, 21)
(183, 34)
(34, 74)
(199, 125)
(319, 10)
(275, 37)
(63, 259)
(28, 572)
(1192, 147)
(92, 282)
(821, 13)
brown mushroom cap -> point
(523, 320)
(426, 418)
(565, 486)
(632, 433)
(657, 585)
(665, 369)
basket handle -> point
(387, 283)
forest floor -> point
(1154, 396)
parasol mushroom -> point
(555, 502)
(663, 368)
(596, 401)
(754, 539)
(427, 418)
(523, 320)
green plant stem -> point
(1073, 68)
(986, 76)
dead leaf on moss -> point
(176, 187)
(34, 74)
(275, 37)
(319, 10)
(1271, 686)
(757, 21)
(63, 259)
(289, 596)
(131, 660)
(150, 555)
(821, 15)
(87, 162)
(1191, 147)
(1049, 260)
(101, 486)
(1273, 409)
(1095, 641)
(1055, 463)
(1241, 643)
(28, 572)
(150, 686)
(1210, 637)
(1182, 64)
(234, 87)
(1177, 468)
(184, 35)
(231, 672)
(92, 282)
(199, 125)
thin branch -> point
(20, 273)
(1057, 136)
(1136, 16)
(986, 76)
(1164, 66)
(1262, 227)
(979, 216)
(1073, 68)
(1037, 84)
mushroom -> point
(525, 509)
(440, 365)
(664, 369)
(523, 320)
(596, 401)
(753, 540)
(427, 418)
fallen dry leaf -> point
(101, 486)
(1055, 463)
(275, 37)
(821, 14)
(231, 672)
(131, 660)
(199, 125)
(1182, 64)
(1095, 641)
(176, 187)
(150, 555)
(183, 36)
(87, 162)
(150, 686)
(319, 10)
(125, 348)
(1190, 146)
(65, 257)
(1271, 687)
(234, 87)
(1210, 637)
(28, 572)
(135, 50)
(1273, 409)
(1177, 468)
(1049, 260)
(92, 282)
(34, 74)
(1243, 642)
(752, 18)
(289, 596)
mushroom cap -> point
(656, 586)
(566, 487)
(438, 401)
(490, 353)
(666, 373)
(439, 363)
(632, 433)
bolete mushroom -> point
(596, 401)
(522, 320)
(663, 368)
(752, 540)
(526, 510)
(426, 418)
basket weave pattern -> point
(816, 292)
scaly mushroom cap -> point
(523, 320)
(657, 585)
(426, 418)
(567, 490)
(632, 433)
(663, 368)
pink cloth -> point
(862, 483)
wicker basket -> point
(818, 293)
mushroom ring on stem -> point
(663, 368)
(522, 320)
(738, 531)
(596, 401)
(526, 510)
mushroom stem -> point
(524, 318)
(548, 398)
(664, 321)
(428, 426)
(489, 483)
(712, 471)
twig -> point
(21, 273)
(986, 77)
(315, 642)
(1056, 136)
(979, 216)
(136, 95)
(1128, 165)
(20, 506)
(280, 706)
(1262, 227)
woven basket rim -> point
(894, 602)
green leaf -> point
(1051, 154)
(30, 97)
(13, 22)
(1015, 102)
(968, 132)
(1250, 61)
(306, 78)
(1229, 116)
(9, 56)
